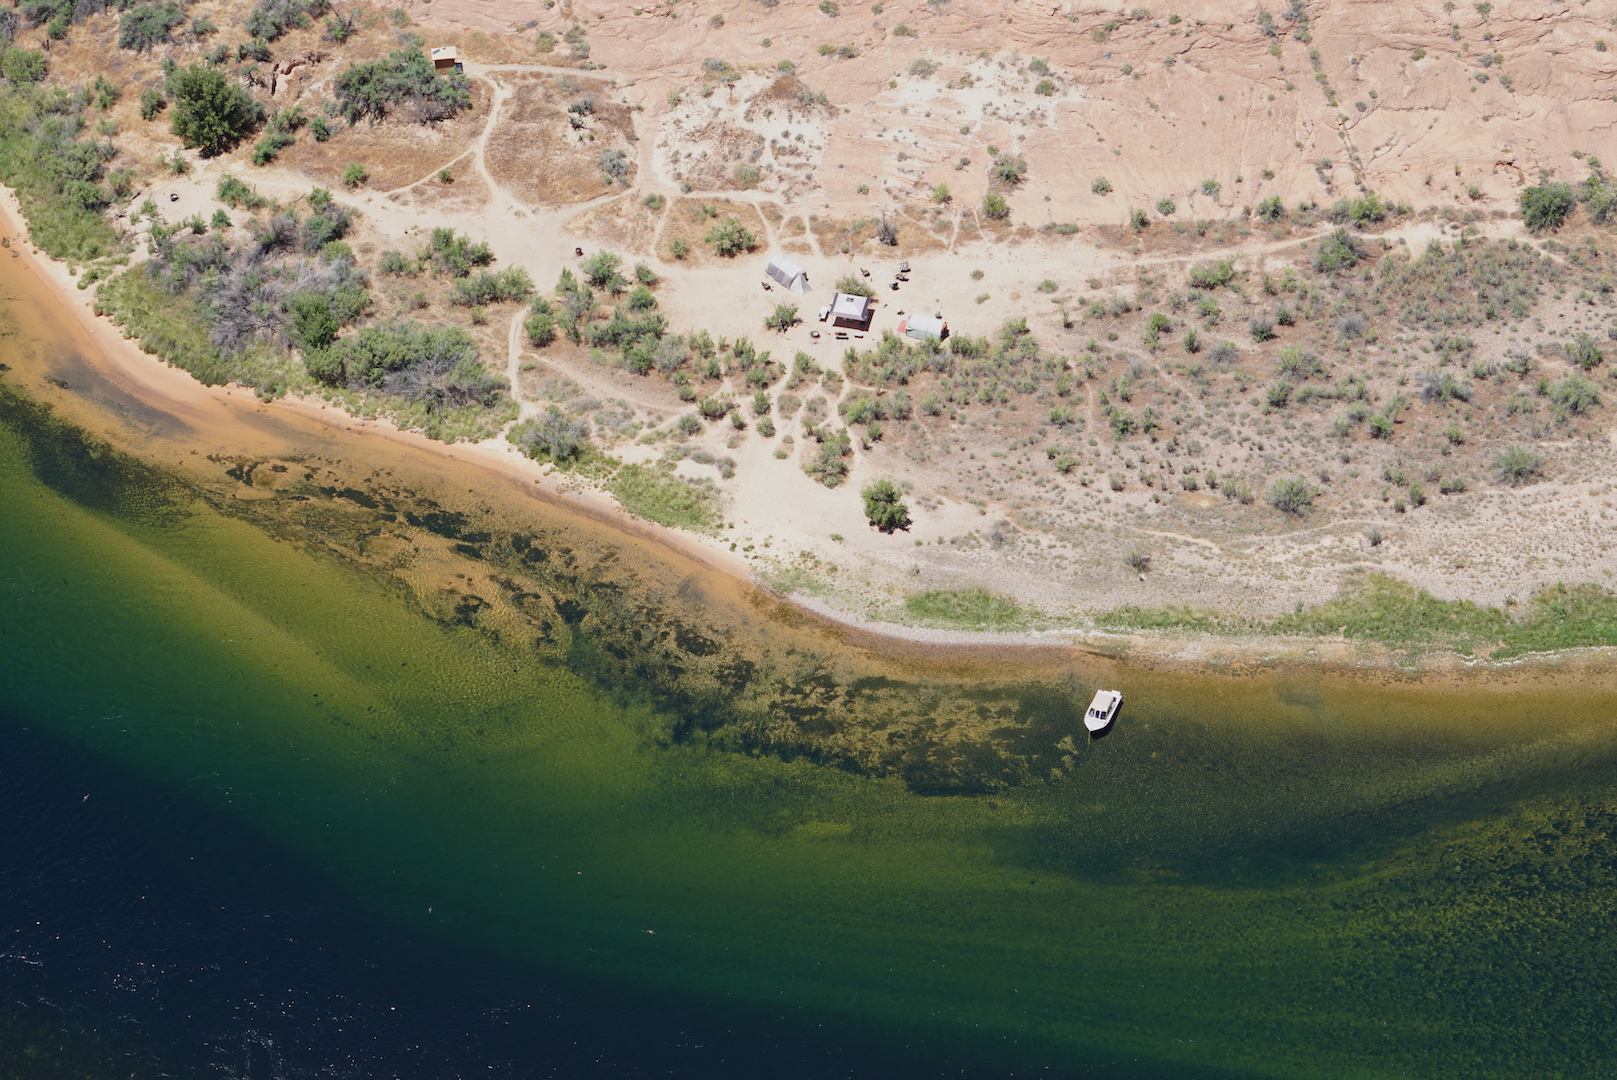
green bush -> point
(22, 66)
(995, 208)
(146, 26)
(405, 79)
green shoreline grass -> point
(1376, 608)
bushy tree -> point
(730, 238)
(1292, 495)
(783, 318)
(552, 437)
(212, 113)
(1545, 206)
(884, 506)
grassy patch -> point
(658, 495)
(967, 609)
(64, 216)
(1383, 609)
(172, 328)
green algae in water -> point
(1329, 885)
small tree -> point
(1547, 205)
(1292, 496)
(887, 231)
(884, 506)
(783, 318)
(730, 238)
(211, 112)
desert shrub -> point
(540, 325)
(1212, 275)
(1293, 495)
(1008, 170)
(995, 208)
(148, 25)
(22, 66)
(730, 238)
(1271, 208)
(1545, 206)
(1574, 395)
(884, 506)
(152, 102)
(434, 366)
(1100, 186)
(492, 287)
(887, 231)
(1367, 209)
(212, 113)
(551, 437)
(615, 165)
(354, 174)
(448, 252)
(854, 285)
(829, 463)
(1441, 386)
(1338, 251)
(1518, 464)
(1584, 352)
(270, 19)
(239, 195)
(403, 80)
(1599, 197)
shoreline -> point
(143, 376)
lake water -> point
(300, 779)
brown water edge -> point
(476, 543)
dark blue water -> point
(145, 935)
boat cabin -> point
(1103, 710)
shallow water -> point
(280, 799)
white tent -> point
(787, 273)
(923, 326)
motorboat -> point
(1103, 710)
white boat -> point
(1103, 710)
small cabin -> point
(444, 59)
(851, 311)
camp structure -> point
(444, 59)
(786, 273)
(852, 312)
(922, 327)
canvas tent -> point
(922, 327)
(787, 273)
(850, 310)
